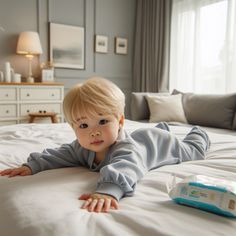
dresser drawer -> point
(25, 109)
(7, 110)
(7, 94)
(30, 94)
(3, 123)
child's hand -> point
(22, 171)
(98, 202)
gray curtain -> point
(152, 46)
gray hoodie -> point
(129, 159)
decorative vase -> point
(8, 72)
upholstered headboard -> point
(200, 109)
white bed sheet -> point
(46, 203)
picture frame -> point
(66, 46)
(47, 75)
(121, 45)
(101, 44)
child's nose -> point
(95, 133)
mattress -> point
(47, 203)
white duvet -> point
(47, 203)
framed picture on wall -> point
(121, 45)
(67, 46)
(101, 44)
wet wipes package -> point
(207, 193)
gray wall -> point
(105, 17)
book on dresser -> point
(18, 100)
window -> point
(203, 46)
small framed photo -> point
(101, 44)
(121, 45)
(47, 75)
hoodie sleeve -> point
(68, 155)
(120, 176)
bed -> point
(47, 203)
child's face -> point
(98, 134)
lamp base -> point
(30, 80)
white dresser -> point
(17, 100)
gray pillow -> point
(139, 105)
(234, 122)
(209, 110)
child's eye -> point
(83, 126)
(103, 122)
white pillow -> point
(166, 108)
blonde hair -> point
(95, 96)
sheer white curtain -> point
(203, 46)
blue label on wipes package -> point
(207, 193)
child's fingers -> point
(6, 172)
(114, 204)
(107, 205)
(3, 172)
(86, 203)
(100, 205)
(15, 172)
(92, 205)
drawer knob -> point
(28, 111)
(6, 95)
(7, 111)
(53, 95)
(27, 94)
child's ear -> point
(121, 121)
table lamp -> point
(29, 45)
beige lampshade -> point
(29, 43)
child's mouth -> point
(97, 142)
